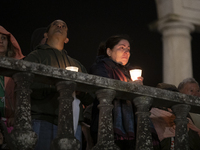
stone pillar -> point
(22, 136)
(65, 139)
(177, 59)
(181, 134)
(105, 131)
(144, 137)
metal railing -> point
(24, 73)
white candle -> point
(72, 68)
(135, 73)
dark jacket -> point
(44, 103)
(106, 67)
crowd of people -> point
(47, 47)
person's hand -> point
(140, 78)
(10, 122)
(139, 81)
(171, 121)
(172, 129)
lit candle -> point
(135, 73)
(72, 68)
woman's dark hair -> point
(10, 49)
(110, 43)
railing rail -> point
(90, 83)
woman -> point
(112, 62)
(9, 47)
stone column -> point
(181, 134)
(65, 139)
(105, 131)
(177, 59)
(22, 136)
(144, 137)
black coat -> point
(105, 67)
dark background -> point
(91, 22)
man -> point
(190, 86)
(163, 121)
(44, 103)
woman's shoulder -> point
(101, 68)
(97, 66)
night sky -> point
(91, 22)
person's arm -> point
(85, 97)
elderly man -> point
(190, 86)
(44, 103)
(163, 121)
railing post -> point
(65, 139)
(181, 133)
(22, 136)
(105, 131)
(144, 137)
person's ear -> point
(46, 35)
(108, 51)
(66, 40)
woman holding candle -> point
(112, 62)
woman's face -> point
(3, 44)
(120, 52)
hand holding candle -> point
(136, 76)
(135, 73)
(72, 68)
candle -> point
(72, 68)
(135, 73)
